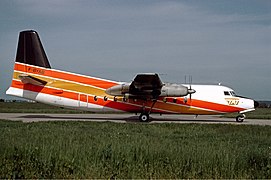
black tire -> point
(144, 117)
(240, 118)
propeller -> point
(190, 90)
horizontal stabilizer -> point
(26, 79)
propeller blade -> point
(190, 90)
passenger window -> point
(95, 98)
(226, 93)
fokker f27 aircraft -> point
(34, 79)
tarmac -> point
(130, 118)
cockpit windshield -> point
(226, 93)
(230, 93)
(233, 93)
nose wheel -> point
(240, 118)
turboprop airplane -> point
(34, 79)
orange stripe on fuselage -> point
(65, 85)
(101, 83)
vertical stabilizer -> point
(30, 50)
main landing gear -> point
(240, 118)
(145, 116)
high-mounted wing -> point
(146, 85)
(147, 82)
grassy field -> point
(133, 150)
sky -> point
(214, 41)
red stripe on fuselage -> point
(74, 96)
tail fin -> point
(30, 50)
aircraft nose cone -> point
(256, 104)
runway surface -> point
(129, 118)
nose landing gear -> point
(240, 118)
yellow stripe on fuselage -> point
(66, 85)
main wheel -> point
(240, 118)
(144, 117)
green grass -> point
(113, 150)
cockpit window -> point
(226, 93)
(232, 93)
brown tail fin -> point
(30, 50)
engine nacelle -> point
(174, 90)
(168, 90)
(118, 90)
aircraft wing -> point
(146, 85)
(27, 79)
